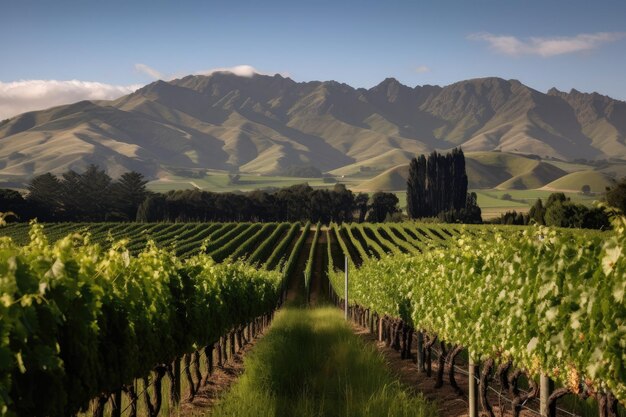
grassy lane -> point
(310, 363)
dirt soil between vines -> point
(221, 380)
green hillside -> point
(489, 169)
(384, 161)
(538, 176)
(598, 182)
(394, 179)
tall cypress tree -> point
(421, 186)
(412, 190)
(459, 180)
(431, 184)
(437, 183)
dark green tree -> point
(153, 208)
(432, 185)
(382, 204)
(537, 212)
(320, 201)
(585, 189)
(94, 194)
(342, 208)
(12, 201)
(472, 212)
(595, 218)
(127, 193)
(563, 214)
(294, 202)
(459, 179)
(44, 197)
(559, 211)
(616, 196)
(556, 197)
(416, 188)
(361, 202)
(70, 194)
(437, 184)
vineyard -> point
(123, 317)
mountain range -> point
(266, 124)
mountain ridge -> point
(264, 124)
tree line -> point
(93, 196)
(295, 203)
(558, 211)
(437, 187)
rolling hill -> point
(536, 177)
(265, 124)
(597, 181)
(393, 179)
(509, 172)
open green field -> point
(529, 197)
(219, 182)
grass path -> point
(310, 363)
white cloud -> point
(27, 95)
(150, 72)
(546, 47)
(240, 70)
(422, 69)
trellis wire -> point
(500, 395)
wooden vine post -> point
(420, 352)
(116, 404)
(473, 387)
(330, 290)
(175, 387)
(545, 390)
(345, 297)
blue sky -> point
(123, 44)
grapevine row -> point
(548, 301)
(78, 320)
(265, 249)
(308, 270)
(280, 250)
(248, 246)
(225, 247)
(290, 265)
